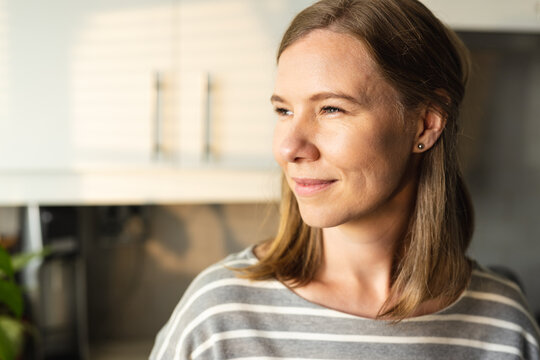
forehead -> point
(324, 58)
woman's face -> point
(340, 139)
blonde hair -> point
(427, 65)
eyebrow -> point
(323, 96)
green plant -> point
(12, 327)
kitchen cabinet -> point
(96, 94)
(488, 15)
(79, 81)
(226, 68)
(115, 82)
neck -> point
(360, 254)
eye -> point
(331, 110)
(283, 111)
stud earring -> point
(421, 146)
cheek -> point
(391, 155)
(390, 144)
(380, 151)
(350, 148)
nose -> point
(295, 139)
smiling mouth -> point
(307, 187)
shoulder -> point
(500, 305)
(222, 270)
(495, 288)
(215, 291)
(213, 285)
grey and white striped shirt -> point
(224, 317)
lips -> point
(307, 186)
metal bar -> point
(33, 242)
(207, 140)
(158, 117)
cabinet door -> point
(488, 15)
(78, 80)
(226, 73)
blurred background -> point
(136, 147)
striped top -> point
(223, 317)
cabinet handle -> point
(207, 139)
(158, 117)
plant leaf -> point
(10, 294)
(5, 263)
(18, 261)
(7, 348)
(11, 337)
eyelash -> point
(324, 109)
(331, 109)
(282, 111)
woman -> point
(369, 260)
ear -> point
(430, 126)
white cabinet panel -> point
(233, 42)
(78, 80)
(34, 117)
(116, 57)
(488, 15)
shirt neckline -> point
(311, 304)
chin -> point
(321, 218)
